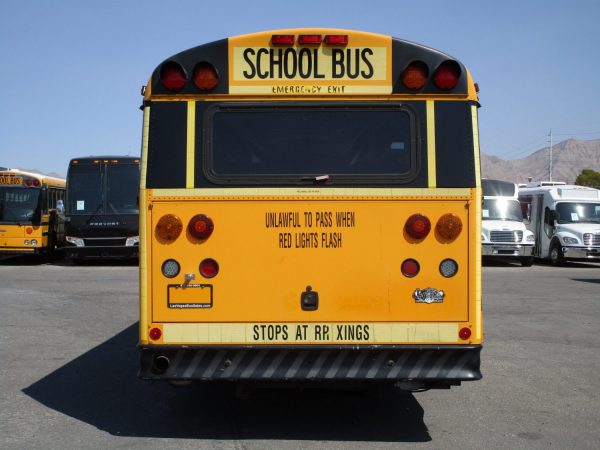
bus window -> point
(86, 195)
(122, 188)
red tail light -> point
(205, 76)
(282, 39)
(201, 226)
(209, 268)
(446, 75)
(415, 75)
(36, 183)
(155, 334)
(417, 226)
(464, 333)
(310, 39)
(28, 183)
(173, 76)
(336, 39)
(169, 227)
(449, 226)
(410, 268)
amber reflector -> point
(169, 227)
(205, 76)
(449, 226)
(415, 75)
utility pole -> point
(550, 154)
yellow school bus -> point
(29, 219)
(310, 211)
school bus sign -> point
(362, 66)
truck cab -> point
(503, 233)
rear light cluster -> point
(174, 78)
(418, 227)
(199, 229)
(30, 183)
(444, 77)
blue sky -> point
(72, 70)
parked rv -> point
(503, 233)
(565, 220)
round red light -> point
(173, 76)
(155, 334)
(209, 268)
(464, 333)
(410, 268)
(446, 75)
(415, 75)
(205, 76)
(417, 226)
(201, 226)
(28, 183)
(36, 183)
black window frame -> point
(366, 179)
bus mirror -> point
(60, 207)
(553, 216)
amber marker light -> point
(205, 76)
(415, 75)
(169, 227)
(449, 226)
(417, 226)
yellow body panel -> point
(341, 248)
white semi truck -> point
(565, 220)
(503, 233)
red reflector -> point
(282, 39)
(417, 226)
(446, 75)
(415, 75)
(155, 334)
(410, 268)
(312, 39)
(173, 76)
(209, 268)
(201, 226)
(336, 39)
(205, 76)
(464, 333)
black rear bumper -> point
(436, 364)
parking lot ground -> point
(68, 379)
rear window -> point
(303, 144)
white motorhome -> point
(565, 220)
(503, 233)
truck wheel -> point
(526, 261)
(556, 255)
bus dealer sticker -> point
(429, 295)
